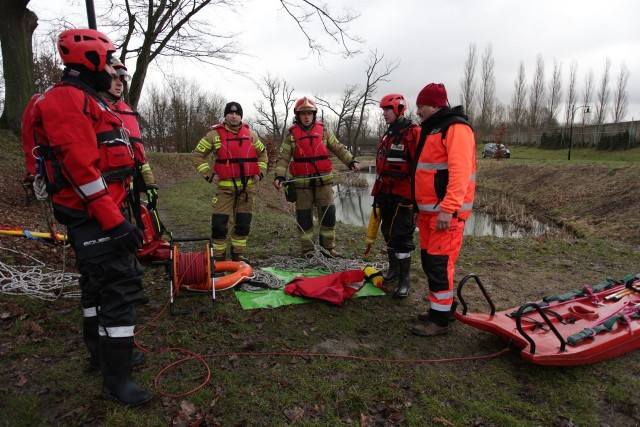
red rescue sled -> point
(581, 327)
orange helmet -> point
(394, 101)
(84, 46)
(305, 104)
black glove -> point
(280, 179)
(352, 164)
(126, 237)
(152, 196)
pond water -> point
(353, 206)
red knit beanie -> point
(433, 95)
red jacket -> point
(27, 136)
(87, 156)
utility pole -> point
(91, 15)
(573, 113)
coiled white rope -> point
(36, 280)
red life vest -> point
(332, 287)
(310, 154)
(83, 146)
(237, 156)
(130, 122)
(393, 162)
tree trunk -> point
(17, 24)
(137, 82)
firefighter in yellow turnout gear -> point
(305, 154)
(240, 161)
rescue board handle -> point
(484, 292)
(518, 317)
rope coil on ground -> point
(192, 269)
(37, 280)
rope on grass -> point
(320, 259)
(37, 280)
(265, 281)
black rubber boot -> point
(392, 273)
(402, 290)
(92, 341)
(118, 384)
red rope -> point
(201, 358)
(191, 269)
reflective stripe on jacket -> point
(394, 158)
(445, 174)
(84, 142)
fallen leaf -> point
(444, 421)
(294, 414)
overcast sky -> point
(430, 39)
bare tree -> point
(345, 110)
(537, 94)
(172, 29)
(374, 77)
(17, 24)
(158, 120)
(468, 83)
(518, 108)
(620, 101)
(47, 66)
(572, 94)
(603, 94)
(488, 88)
(335, 26)
(555, 93)
(500, 113)
(587, 94)
(273, 111)
(177, 115)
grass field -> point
(316, 364)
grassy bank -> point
(400, 379)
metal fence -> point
(587, 136)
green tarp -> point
(277, 297)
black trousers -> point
(110, 280)
(397, 225)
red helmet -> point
(86, 47)
(305, 104)
(395, 101)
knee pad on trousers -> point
(219, 226)
(328, 216)
(435, 267)
(305, 219)
(243, 224)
